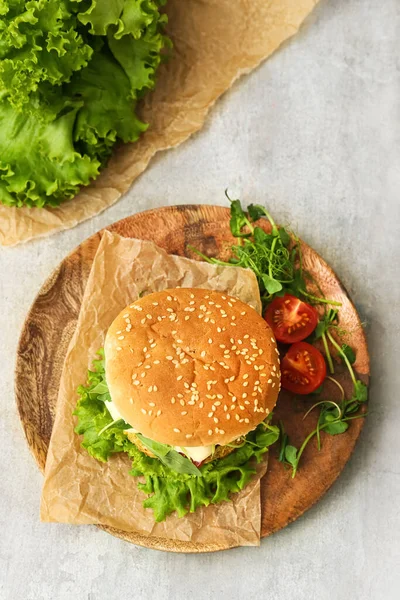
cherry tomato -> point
(303, 369)
(291, 319)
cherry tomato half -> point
(291, 319)
(303, 369)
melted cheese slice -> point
(195, 453)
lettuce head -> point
(71, 73)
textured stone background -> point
(314, 133)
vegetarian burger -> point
(192, 370)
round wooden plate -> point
(51, 322)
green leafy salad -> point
(172, 481)
(71, 73)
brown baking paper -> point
(79, 489)
(215, 42)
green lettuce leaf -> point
(167, 490)
(71, 72)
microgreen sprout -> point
(274, 257)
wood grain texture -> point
(52, 318)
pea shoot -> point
(275, 257)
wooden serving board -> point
(52, 319)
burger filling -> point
(197, 454)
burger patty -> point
(219, 452)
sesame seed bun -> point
(192, 367)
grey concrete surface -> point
(314, 133)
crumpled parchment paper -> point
(215, 42)
(79, 489)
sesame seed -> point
(153, 345)
(182, 402)
(148, 316)
(136, 307)
(218, 403)
(228, 416)
(170, 310)
(173, 400)
(169, 298)
(155, 388)
(232, 407)
(152, 404)
(150, 388)
(131, 400)
(241, 407)
(156, 362)
(144, 411)
(201, 404)
(177, 430)
(246, 420)
(243, 312)
(263, 374)
(155, 303)
(187, 318)
(158, 413)
(210, 414)
(119, 348)
(244, 395)
(245, 376)
(245, 383)
(209, 340)
(186, 385)
(189, 435)
(269, 381)
(179, 377)
(183, 413)
(210, 432)
(221, 431)
(134, 376)
(215, 420)
(136, 382)
(237, 417)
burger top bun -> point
(192, 367)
